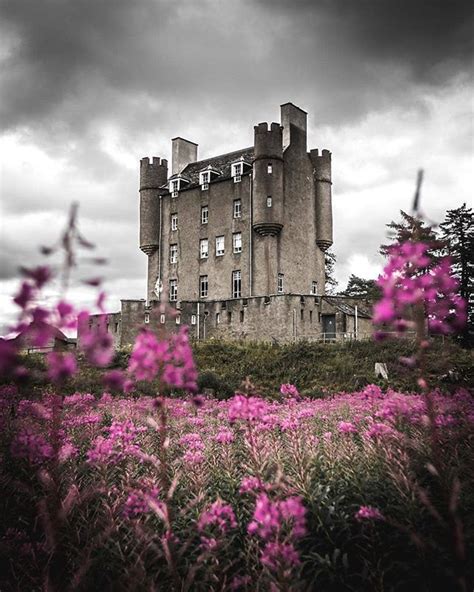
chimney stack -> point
(183, 152)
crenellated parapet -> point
(322, 191)
(153, 175)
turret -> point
(322, 187)
(152, 176)
(268, 180)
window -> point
(236, 284)
(229, 317)
(237, 169)
(173, 290)
(174, 187)
(237, 208)
(204, 214)
(269, 168)
(241, 316)
(204, 248)
(220, 245)
(218, 318)
(204, 178)
(310, 316)
(162, 319)
(314, 287)
(203, 286)
(193, 319)
(280, 283)
(173, 253)
(174, 222)
(237, 242)
(178, 319)
(147, 317)
(269, 201)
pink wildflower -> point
(347, 427)
(289, 390)
(246, 408)
(32, 446)
(61, 366)
(276, 556)
(368, 513)
(224, 436)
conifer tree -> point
(358, 287)
(457, 231)
(329, 263)
(412, 228)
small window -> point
(314, 288)
(229, 317)
(310, 316)
(236, 284)
(174, 186)
(237, 208)
(162, 319)
(218, 318)
(174, 253)
(237, 169)
(147, 317)
(178, 319)
(116, 327)
(220, 246)
(242, 316)
(193, 319)
(269, 168)
(173, 290)
(204, 214)
(237, 242)
(280, 283)
(302, 314)
(269, 201)
(204, 178)
(203, 286)
(204, 248)
(174, 222)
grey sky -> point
(90, 86)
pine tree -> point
(358, 287)
(458, 233)
(413, 228)
(329, 263)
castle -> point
(235, 243)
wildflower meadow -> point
(366, 490)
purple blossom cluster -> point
(410, 279)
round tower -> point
(152, 176)
(322, 191)
(268, 180)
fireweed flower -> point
(96, 342)
(246, 408)
(120, 443)
(138, 501)
(224, 436)
(31, 446)
(251, 485)
(347, 427)
(214, 523)
(408, 280)
(368, 513)
(289, 390)
(61, 366)
(276, 555)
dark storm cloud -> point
(433, 37)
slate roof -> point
(220, 163)
(341, 304)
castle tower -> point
(267, 204)
(322, 190)
(152, 176)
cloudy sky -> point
(88, 87)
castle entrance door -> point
(329, 327)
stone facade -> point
(235, 243)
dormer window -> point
(174, 187)
(176, 184)
(204, 180)
(238, 168)
(206, 176)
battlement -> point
(322, 164)
(268, 140)
(153, 174)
